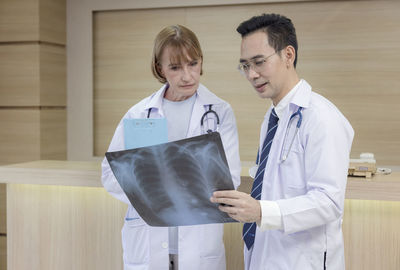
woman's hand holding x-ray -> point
(238, 205)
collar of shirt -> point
(205, 97)
(281, 107)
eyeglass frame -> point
(253, 65)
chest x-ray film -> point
(170, 184)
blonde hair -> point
(182, 41)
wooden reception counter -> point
(60, 217)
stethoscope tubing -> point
(253, 170)
(298, 125)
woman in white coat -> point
(182, 100)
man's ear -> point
(289, 54)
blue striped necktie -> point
(249, 229)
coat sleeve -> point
(327, 139)
(108, 179)
(230, 141)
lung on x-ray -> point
(170, 184)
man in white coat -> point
(293, 217)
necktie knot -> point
(273, 119)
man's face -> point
(267, 71)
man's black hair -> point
(280, 30)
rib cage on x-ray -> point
(170, 184)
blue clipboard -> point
(145, 132)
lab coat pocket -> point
(292, 168)
(211, 241)
(135, 241)
(213, 263)
(310, 245)
(298, 250)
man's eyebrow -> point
(241, 60)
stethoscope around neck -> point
(284, 153)
(216, 124)
(206, 114)
(298, 113)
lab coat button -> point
(164, 244)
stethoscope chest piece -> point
(205, 116)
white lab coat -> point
(309, 188)
(200, 246)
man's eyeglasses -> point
(256, 64)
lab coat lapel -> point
(198, 111)
(155, 102)
(301, 98)
(274, 154)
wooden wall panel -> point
(52, 21)
(69, 227)
(53, 83)
(53, 134)
(19, 75)
(351, 58)
(32, 134)
(32, 75)
(3, 227)
(347, 53)
(3, 216)
(19, 135)
(371, 234)
(19, 20)
(3, 252)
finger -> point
(226, 194)
(225, 201)
(234, 216)
(228, 209)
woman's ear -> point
(159, 69)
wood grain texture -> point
(53, 76)
(19, 75)
(52, 21)
(32, 75)
(3, 206)
(20, 135)
(63, 228)
(339, 55)
(371, 234)
(53, 172)
(32, 134)
(88, 173)
(95, 218)
(3, 252)
(53, 134)
(19, 20)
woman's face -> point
(183, 78)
